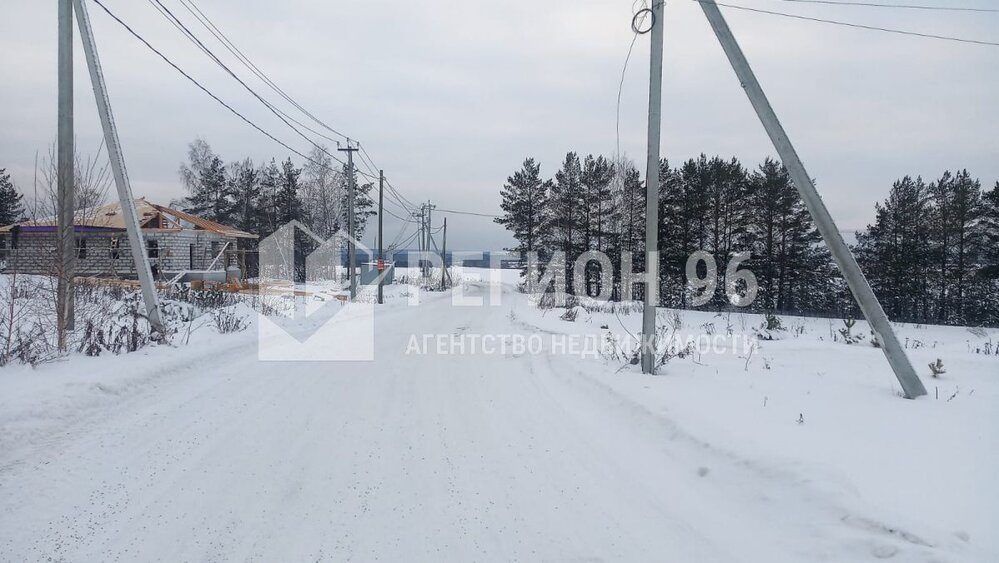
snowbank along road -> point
(416, 457)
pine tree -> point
(244, 185)
(895, 252)
(596, 176)
(931, 254)
(629, 215)
(627, 224)
(727, 225)
(989, 273)
(364, 208)
(990, 230)
(966, 205)
(566, 214)
(267, 206)
(941, 226)
(288, 206)
(784, 242)
(682, 221)
(11, 201)
(205, 179)
(524, 199)
(363, 204)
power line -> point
(220, 36)
(900, 6)
(399, 197)
(280, 115)
(398, 237)
(855, 25)
(226, 42)
(198, 84)
(400, 206)
(453, 212)
(620, 89)
(396, 198)
(409, 220)
(402, 244)
(406, 203)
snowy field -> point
(793, 449)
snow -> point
(801, 450)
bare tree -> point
(323, 193)
(93, 181)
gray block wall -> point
(177, 251)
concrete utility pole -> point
(861, 289)
(135, 241)
(424, 244)
(652, 192)
(65, 306)
(418, 215)
(430, 224)
(381, 241)
(444, 257)
(351, 247)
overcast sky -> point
(449, 96)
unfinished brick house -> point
(176, 242)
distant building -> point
(175, 242)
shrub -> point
(228, 321)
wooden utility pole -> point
(652, 192)
(351, 247)
(847, 263)
(66, 261)
(380, 260)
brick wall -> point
(174, 252)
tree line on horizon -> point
(931, 254)
(254, 197)
(261, 197)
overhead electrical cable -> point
(224, 39)
(452, 211)
(935, 8)
(198, 84)
(277, 112)
(857, 25)
(245, 60)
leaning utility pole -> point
(861, 289)
(380, 261)
(65, 314)
(652, 192)
(351, 247)
(117, 159)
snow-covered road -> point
(411, 458)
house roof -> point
(151, 216)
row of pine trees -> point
(932, 253)
(261, 197)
